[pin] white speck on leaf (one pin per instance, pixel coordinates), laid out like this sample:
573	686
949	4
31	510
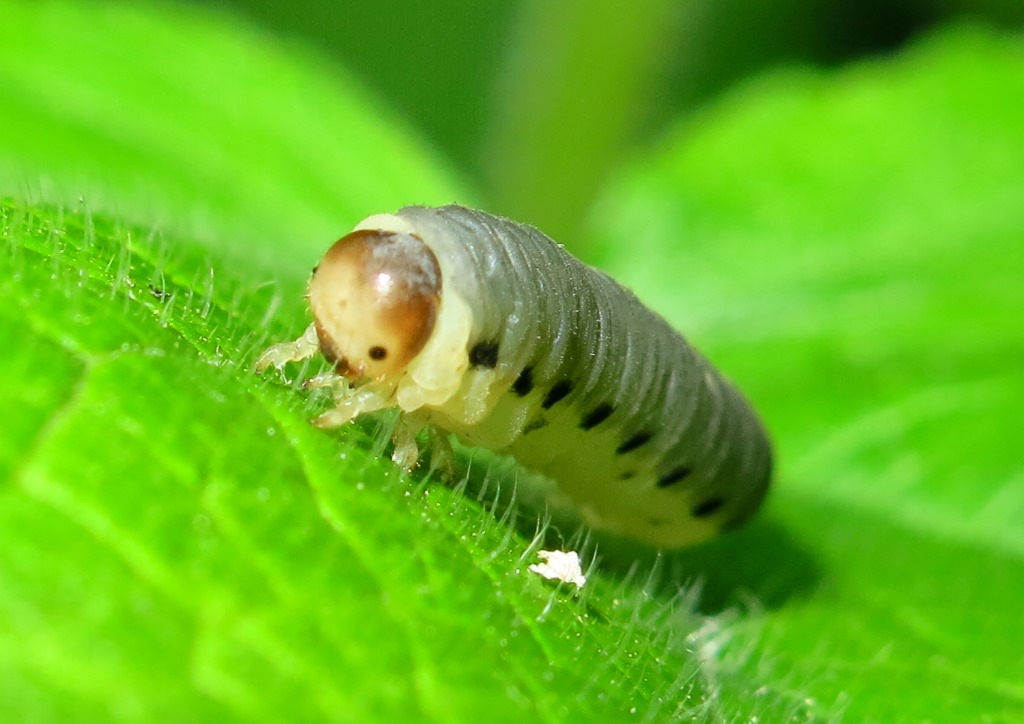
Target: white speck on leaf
560	566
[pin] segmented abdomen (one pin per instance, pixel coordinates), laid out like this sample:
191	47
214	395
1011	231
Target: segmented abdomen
600	393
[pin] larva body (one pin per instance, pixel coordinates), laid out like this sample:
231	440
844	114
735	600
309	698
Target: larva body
528	351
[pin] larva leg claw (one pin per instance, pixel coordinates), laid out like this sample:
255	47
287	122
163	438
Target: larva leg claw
278	355
442	456
328	379
350	404
332	418
407	452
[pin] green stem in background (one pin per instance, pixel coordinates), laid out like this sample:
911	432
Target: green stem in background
577	82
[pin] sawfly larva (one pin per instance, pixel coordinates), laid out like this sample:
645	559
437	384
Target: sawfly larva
483	327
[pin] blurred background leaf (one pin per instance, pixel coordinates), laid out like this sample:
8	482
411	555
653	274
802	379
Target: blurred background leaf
844	239
538	102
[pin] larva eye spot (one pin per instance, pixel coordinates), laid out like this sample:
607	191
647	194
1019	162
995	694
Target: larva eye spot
375	298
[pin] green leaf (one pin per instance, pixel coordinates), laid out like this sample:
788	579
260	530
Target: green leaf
849	249
176	540
167	116
170	518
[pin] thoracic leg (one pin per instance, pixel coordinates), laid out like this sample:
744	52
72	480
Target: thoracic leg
442	456
329	379
407	452
349	404
279	354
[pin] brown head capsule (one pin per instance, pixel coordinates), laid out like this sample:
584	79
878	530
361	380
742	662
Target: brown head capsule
375	298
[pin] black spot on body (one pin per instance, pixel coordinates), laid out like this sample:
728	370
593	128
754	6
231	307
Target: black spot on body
524	382
535	424
673	476
378	353
596	416
484	354
707	507
557	393
633	443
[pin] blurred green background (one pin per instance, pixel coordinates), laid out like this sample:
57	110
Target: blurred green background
538	102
